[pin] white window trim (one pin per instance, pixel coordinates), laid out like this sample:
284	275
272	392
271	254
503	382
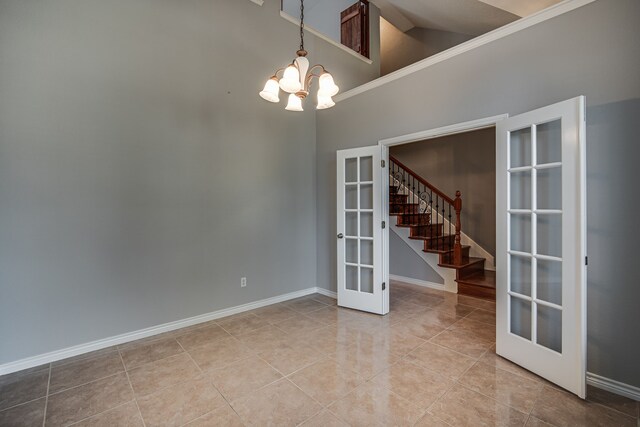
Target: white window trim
498	33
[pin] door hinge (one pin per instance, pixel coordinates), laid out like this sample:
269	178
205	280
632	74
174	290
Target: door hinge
586	260
384	286
382	163
384	225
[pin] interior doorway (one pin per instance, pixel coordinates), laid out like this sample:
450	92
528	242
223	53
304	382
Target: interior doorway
442	213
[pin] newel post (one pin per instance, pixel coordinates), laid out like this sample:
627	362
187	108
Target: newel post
457	248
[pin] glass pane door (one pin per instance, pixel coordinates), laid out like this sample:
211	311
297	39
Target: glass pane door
540	242
359	283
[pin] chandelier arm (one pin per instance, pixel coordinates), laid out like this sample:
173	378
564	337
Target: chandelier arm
277	71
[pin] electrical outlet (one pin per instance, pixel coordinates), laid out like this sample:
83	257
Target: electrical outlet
243	282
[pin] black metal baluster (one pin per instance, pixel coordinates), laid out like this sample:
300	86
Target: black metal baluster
450	227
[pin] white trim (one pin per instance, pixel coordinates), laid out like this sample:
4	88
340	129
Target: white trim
64	353
418	282
444	131
327	293
258	2
613	386
514	27
318	34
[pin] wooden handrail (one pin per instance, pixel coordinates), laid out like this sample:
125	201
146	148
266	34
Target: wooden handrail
422	180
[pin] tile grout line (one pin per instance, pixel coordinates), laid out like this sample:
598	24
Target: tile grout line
46	399
99	413
210	381
135	398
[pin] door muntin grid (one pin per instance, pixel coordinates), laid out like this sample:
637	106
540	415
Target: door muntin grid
358	215
535	228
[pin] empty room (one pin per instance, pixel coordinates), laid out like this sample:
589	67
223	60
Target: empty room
319	213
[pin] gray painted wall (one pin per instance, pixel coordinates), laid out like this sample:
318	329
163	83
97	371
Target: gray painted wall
398	49
403	261
465	162
140	174
590	51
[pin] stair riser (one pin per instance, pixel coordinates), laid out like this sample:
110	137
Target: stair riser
440	243
417	219
470	270
398	198
448	257
393	189
403	208
433	230
476	291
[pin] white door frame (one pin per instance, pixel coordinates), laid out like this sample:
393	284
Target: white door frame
384	145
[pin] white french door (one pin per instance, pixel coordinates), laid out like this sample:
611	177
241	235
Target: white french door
541	243
359	230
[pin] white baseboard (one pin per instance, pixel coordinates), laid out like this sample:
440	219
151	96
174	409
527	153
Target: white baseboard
327	292
418	282
613	386
76	350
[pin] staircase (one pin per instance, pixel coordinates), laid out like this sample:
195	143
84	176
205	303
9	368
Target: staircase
434	218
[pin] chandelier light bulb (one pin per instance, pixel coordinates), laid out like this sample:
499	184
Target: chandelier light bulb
290	82
327	85
324	101
294	104
271	90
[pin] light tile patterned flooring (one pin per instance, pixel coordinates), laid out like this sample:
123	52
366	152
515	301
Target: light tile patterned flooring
429	362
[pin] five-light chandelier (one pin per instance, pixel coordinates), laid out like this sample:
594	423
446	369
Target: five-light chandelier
296	79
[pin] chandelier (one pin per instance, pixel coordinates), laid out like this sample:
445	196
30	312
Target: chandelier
297	77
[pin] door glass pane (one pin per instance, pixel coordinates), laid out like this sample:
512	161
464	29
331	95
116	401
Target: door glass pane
549	239
520	317
520	190
351	169
366	284
520	274
520	148
351	197
351	250
549	327
366	252
366	196
366	168
549	281
366	224
351	278
549	188
548	142
351	224
521	233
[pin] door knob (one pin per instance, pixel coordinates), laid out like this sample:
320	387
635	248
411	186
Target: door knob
340	235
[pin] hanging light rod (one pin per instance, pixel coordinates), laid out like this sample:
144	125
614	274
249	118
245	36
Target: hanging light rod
297	77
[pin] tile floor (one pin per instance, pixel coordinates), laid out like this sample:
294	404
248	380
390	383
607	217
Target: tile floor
429	362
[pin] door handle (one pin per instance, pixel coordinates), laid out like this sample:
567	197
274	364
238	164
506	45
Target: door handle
340	235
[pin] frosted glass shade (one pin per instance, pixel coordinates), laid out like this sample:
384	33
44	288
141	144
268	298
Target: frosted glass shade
324	101
271	90
290	81
294	104
327	85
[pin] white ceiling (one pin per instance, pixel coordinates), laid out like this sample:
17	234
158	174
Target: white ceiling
472	17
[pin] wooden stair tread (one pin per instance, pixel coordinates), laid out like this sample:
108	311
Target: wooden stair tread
443	251
485	279
470	262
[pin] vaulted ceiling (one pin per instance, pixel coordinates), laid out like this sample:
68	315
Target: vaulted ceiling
472	17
